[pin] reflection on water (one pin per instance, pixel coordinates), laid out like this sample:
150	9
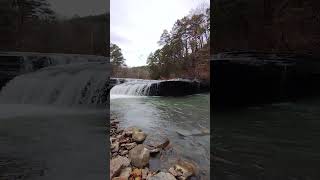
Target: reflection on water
278	141
47	142
185	120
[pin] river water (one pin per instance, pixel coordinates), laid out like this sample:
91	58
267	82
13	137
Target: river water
53	124
275	141
184	120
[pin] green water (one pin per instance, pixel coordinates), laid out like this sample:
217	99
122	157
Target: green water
189	115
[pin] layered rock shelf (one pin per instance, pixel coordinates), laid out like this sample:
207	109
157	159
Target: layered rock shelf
131	150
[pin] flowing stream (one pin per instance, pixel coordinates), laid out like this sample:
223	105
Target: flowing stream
184	120
53	123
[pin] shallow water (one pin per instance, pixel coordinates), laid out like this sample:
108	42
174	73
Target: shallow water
187	115
276	141
48	142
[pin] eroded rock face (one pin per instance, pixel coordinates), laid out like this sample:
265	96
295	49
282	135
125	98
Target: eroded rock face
117	164
162	176
139	156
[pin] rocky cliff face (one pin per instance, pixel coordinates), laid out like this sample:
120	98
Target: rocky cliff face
273	25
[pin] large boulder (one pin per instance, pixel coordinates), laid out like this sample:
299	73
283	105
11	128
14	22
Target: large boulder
138	137
156	141
139	156
184	169
117	164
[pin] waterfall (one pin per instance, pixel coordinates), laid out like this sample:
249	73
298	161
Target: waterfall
72	84
141	87
134	87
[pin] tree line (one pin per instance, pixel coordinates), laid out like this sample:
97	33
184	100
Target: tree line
32	25
184	51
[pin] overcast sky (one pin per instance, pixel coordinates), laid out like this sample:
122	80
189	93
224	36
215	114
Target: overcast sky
136	25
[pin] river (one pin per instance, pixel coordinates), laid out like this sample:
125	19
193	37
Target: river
53	124
184	120
274	141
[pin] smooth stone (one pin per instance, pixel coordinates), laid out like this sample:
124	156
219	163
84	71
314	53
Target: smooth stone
139	156
117	164
156	141
162	176
138	137
185	169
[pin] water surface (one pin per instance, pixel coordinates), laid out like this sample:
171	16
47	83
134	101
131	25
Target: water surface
276	141
187	115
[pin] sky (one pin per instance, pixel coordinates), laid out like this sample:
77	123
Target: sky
136	25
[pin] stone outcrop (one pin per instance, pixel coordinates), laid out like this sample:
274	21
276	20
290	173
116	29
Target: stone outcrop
241	78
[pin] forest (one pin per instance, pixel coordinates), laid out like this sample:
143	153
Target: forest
32	25
184	51
267	25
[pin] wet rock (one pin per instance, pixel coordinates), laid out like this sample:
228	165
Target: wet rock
124	152
129	146
138	137
115	146
117	164
125	173
156	141
173	172
139	156
162	176
136	173
144	173
132	129
184	169
152	151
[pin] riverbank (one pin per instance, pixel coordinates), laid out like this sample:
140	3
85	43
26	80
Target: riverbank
132	151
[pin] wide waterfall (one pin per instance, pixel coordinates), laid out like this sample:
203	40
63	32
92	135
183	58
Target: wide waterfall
134	87
141	87
73	84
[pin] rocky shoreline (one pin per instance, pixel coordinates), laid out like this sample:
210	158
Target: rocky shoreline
131	150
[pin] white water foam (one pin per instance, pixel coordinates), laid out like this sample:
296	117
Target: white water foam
82	83
133	87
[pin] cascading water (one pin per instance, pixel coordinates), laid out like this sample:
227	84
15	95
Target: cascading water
73	84
134	87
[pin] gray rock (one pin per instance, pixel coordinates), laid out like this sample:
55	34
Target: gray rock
129	146
139	156
125	173
162	176
138	137
156	141
115	146
184	169
117	164
124	152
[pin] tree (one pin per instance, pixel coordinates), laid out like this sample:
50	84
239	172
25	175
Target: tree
184	48
116	57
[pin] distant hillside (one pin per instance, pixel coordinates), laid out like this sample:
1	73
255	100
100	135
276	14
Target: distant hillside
141	72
